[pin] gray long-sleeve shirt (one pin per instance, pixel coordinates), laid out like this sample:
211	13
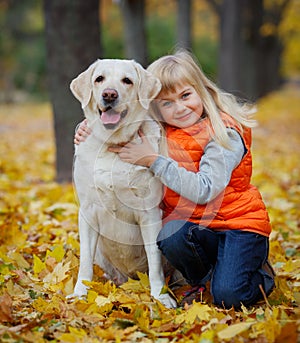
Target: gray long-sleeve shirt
215	169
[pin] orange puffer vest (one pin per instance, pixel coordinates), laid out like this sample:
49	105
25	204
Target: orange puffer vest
238	207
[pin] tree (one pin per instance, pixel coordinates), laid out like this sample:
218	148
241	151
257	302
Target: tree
73	42
21	50
250	46
133	12
184	24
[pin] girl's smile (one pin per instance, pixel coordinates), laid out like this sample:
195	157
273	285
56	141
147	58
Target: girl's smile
181	108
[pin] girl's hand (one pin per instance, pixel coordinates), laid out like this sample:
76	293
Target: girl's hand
82	132
141	154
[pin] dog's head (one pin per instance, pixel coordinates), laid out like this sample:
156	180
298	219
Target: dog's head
114	89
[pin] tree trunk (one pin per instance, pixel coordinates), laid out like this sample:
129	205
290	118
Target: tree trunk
73	42
230	44
239	24
133	13
184	24
269	50
249	61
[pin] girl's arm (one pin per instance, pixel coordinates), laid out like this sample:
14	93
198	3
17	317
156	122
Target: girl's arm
216	166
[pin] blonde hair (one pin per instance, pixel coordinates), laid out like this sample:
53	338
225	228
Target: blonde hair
173	70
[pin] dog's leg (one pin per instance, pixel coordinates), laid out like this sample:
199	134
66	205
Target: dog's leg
88	244
150	226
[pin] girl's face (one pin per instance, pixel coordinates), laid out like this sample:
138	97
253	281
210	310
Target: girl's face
181	108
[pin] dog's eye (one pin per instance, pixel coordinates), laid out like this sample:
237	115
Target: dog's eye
99	78
127	81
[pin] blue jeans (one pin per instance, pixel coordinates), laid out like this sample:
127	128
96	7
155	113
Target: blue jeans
232	260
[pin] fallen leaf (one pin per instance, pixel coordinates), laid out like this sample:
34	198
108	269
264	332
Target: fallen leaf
5	308
234	330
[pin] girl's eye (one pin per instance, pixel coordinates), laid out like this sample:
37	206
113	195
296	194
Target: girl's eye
166	103
186	95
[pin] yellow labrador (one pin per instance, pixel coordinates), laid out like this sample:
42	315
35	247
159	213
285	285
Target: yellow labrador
119	216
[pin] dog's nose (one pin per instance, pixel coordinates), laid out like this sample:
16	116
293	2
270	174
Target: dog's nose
109	95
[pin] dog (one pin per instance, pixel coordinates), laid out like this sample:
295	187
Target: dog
119	215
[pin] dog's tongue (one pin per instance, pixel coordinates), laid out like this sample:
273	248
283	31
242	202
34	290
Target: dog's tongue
110	117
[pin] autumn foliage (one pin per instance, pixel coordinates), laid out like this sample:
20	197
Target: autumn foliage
39	247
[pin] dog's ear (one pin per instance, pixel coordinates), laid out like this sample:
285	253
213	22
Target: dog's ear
81	87
149	86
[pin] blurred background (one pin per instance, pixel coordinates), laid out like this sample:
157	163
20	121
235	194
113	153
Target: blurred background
249	47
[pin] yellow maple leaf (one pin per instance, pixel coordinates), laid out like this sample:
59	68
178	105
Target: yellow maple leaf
75	335
19	259
73	242
144	279
100	287
105	304
127	298
102	301
234	330
44	306
137	285
91	296
197	311
3	255
99	303
290	266
68	286
142	318
58	274
38	265
58	253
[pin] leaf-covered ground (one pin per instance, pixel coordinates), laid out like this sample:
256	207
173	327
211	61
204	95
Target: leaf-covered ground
39	247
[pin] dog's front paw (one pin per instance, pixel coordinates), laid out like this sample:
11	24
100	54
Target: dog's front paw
80	291
167	300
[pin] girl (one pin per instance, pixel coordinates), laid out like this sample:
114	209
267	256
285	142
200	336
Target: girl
216	226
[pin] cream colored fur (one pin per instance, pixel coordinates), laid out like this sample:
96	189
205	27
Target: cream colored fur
119	216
